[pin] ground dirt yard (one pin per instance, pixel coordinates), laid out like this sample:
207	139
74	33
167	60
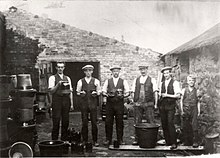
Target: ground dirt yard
44	133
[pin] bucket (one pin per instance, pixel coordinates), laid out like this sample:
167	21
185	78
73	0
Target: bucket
13	81
51	148
24	81
25	98
25	115
5	86
147	134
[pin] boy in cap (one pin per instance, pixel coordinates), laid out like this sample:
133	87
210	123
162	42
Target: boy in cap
88	88
115	89
170	91
190	110
62	101
145	96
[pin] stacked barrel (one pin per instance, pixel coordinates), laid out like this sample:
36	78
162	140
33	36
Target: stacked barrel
5	101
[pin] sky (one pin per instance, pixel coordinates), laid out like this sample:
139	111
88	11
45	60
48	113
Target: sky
159	25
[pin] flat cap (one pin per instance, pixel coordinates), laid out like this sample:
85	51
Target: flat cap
115	67
166	68
143	67
88	67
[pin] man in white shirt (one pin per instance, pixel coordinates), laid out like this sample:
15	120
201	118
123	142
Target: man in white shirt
145	96
170	91
62	101
88	88
115	89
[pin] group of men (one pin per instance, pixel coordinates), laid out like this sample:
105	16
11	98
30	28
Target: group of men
145	94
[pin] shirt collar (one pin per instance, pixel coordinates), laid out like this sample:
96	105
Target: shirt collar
61	75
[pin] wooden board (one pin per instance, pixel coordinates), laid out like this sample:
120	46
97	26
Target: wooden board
157	148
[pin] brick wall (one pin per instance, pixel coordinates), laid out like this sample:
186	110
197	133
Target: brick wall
20	56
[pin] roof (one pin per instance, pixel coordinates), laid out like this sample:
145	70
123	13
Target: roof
62	39
209	37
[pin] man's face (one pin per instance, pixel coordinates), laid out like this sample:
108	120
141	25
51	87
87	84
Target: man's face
143	71
115	72
88	72
190	81
60	68
167	74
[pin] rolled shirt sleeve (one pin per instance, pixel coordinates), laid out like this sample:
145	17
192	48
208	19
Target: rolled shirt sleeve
126	87
69	80
51	82
105	86
176	87
79	86
155	88
98	87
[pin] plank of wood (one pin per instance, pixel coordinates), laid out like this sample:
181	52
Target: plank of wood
157	148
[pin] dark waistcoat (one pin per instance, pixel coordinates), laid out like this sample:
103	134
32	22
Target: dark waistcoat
190	97
88	88
148	89
57	79
112	89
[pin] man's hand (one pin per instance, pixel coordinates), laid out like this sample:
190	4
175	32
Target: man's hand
94	94
82	93
71	108
155	106
182	112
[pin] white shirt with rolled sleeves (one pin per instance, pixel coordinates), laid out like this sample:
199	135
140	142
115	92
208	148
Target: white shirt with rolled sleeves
115	81
51	82
142	81
96	82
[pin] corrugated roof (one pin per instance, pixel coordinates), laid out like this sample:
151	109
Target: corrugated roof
209	37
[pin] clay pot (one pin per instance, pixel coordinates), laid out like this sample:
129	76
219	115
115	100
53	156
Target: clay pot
24	81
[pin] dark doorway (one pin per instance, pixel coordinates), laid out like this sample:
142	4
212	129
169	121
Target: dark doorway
74	71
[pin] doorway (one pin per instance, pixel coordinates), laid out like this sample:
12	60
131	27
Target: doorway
74	71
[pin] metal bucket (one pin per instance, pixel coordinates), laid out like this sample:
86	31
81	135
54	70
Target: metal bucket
5	86
41	100
147	134
51	148
24	81
13	81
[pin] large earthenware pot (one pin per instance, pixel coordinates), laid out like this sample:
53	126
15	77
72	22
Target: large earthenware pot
24	81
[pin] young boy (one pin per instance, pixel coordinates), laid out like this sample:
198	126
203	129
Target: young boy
190	110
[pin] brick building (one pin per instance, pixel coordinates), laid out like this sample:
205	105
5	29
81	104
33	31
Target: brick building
200	57
35	43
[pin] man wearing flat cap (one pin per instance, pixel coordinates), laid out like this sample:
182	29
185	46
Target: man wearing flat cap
170	91
88	88
145	96
115	90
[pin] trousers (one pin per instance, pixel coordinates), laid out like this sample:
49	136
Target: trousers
60	112
114	110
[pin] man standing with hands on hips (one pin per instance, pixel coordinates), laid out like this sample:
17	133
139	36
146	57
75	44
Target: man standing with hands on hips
114	91
170	91
62	100
145	94
88	88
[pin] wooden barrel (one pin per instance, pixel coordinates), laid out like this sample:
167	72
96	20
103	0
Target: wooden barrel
24	81
25	98
5	86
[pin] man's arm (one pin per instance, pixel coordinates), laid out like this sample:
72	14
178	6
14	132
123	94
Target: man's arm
71	94
126	89
98	87
181	101
52	88
79	87
104	88
199	109
155	90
